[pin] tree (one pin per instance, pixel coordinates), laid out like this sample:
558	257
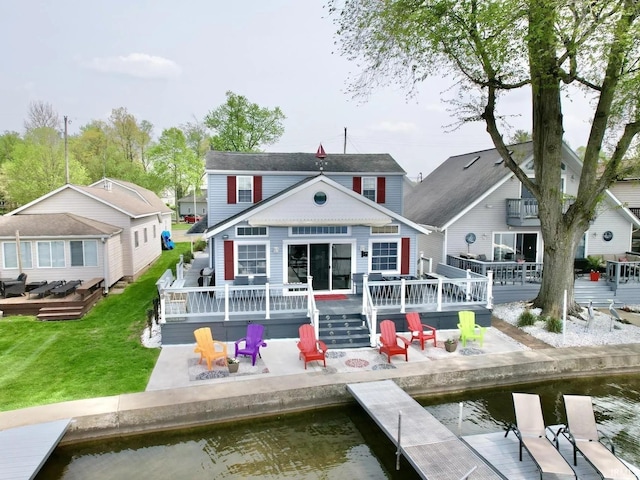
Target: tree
520	136
174	162
41	154
41	115
241	126
492	48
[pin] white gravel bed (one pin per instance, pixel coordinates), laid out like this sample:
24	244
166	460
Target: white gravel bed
602	331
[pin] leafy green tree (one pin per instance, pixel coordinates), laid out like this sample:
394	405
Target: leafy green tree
174	163
38	166
492	48
242	126
520	136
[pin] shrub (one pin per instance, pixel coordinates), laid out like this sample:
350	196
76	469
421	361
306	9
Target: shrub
200	245
526	319
553	325
187	256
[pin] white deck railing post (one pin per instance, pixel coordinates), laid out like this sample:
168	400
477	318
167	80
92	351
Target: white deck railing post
490	289
468	296
365	292
403	289
226	301
373	341
439	299
267	301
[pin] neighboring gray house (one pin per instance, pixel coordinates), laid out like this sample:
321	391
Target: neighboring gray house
187	205
476	206
290	215
110	229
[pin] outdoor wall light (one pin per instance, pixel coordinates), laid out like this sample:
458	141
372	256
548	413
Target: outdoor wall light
225	237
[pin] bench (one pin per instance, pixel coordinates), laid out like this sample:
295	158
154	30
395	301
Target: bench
90	286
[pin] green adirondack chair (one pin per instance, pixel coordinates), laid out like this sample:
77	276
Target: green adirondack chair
469	330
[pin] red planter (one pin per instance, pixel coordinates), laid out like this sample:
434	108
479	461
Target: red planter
595	276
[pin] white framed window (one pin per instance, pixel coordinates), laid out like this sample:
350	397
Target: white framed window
144	235
84	253
320	230
154	231
10	255
251	258
244	186
136	240
386	230
385	256
369	185
50	254
251	231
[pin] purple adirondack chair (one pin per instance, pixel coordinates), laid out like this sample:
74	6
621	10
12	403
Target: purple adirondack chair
252	342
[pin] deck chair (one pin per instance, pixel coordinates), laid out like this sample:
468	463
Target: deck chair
391	343
252	342
469	330
420	331
208	348
532	434
15	288
311	348
585	437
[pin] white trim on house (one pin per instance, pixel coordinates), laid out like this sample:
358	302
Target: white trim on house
381	217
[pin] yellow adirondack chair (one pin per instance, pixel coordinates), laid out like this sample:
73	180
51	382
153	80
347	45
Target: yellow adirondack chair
469	330
208	348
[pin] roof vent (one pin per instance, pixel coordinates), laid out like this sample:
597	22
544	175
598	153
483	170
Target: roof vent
473	160
500	160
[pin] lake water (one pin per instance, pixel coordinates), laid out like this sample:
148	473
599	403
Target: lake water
336	443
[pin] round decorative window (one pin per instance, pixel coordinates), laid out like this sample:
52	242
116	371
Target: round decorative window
470	238
320	198
607	236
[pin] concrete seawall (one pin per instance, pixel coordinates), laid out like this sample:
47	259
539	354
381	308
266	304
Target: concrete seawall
134	413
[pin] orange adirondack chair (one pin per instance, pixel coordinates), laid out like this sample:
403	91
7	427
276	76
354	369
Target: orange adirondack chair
389	341
310	348
208	348
420	331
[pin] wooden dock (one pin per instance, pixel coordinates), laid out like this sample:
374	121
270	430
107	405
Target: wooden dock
23	450
432	449
503	453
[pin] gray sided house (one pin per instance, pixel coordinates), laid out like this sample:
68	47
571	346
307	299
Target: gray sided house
282	217
477	208
110	229
188	205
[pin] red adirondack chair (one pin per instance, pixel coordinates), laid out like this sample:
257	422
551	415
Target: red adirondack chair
420	331
391	343
310	348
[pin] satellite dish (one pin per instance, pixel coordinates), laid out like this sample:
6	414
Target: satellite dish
470	238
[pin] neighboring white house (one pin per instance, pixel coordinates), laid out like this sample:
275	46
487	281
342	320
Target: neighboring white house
109	229
476	206
188	205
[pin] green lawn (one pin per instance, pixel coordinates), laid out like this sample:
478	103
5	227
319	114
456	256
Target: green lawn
181	226
100	355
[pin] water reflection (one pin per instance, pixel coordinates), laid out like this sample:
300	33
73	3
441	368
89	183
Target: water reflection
337	443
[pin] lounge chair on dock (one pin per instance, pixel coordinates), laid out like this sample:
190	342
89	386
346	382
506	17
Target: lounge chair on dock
532	433
582	431
66	288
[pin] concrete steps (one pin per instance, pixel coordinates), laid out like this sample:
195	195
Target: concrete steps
347	330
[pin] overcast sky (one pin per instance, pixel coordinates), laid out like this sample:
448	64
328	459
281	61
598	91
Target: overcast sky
167	61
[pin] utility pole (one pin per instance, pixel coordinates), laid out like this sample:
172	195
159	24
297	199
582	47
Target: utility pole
344	149
66	149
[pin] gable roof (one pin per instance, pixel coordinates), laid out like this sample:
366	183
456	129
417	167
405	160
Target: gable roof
54	225
129	198
371	163
262	206
200	197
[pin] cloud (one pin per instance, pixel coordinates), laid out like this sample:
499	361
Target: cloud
396	127
138	65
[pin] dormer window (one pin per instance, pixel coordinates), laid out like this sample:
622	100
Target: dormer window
373	188
245	189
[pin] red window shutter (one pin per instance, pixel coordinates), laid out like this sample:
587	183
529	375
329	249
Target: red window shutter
257	189
357	184
406	252
381	194
228	260
231	189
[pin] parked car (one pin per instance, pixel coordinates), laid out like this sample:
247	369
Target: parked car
192	218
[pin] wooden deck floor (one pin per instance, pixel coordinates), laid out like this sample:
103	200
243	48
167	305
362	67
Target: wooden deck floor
23	450
431	448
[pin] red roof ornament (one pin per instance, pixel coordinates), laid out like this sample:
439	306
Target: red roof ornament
321	153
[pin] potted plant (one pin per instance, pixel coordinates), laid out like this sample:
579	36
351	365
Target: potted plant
450	344
233	364
595	264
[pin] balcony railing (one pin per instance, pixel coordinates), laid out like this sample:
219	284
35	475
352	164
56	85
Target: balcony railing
503	272
522	212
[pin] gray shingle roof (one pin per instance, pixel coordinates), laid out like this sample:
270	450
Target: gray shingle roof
54	225
139	202
302	162
451	187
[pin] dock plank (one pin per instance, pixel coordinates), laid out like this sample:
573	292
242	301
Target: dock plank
432	449
24	450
